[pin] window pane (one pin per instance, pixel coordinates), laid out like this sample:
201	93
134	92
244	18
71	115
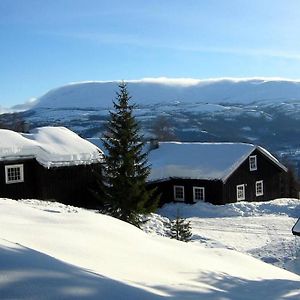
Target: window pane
240	192
178	193
259	188
14	173
198	193
253	163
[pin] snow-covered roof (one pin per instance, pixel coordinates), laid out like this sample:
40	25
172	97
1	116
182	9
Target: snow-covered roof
51	146
200	160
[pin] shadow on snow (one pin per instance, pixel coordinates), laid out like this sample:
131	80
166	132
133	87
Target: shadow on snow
28	274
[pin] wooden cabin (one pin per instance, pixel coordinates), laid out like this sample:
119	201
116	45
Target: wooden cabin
218	173
51	163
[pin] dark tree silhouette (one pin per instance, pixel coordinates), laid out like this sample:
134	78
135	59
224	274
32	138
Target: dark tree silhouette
126	165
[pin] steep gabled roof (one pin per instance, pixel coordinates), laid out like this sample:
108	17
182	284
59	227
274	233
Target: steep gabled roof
51	146
212	161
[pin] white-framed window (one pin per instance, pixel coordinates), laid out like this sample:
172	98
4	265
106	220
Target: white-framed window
198	193
14	173
259	188
240	192
178	193
253	162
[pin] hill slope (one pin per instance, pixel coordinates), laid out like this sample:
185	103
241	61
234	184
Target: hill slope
73	253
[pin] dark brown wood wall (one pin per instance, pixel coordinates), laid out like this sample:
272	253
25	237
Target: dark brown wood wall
21	190
70	185
266	170
213	189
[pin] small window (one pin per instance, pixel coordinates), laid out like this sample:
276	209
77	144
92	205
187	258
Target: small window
199	194
253	163
240	192
259	188
14	173
178	193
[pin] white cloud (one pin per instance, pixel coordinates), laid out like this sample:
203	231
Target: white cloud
25	106
191	81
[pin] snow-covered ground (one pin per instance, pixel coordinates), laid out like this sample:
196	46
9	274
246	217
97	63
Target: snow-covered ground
262	230
52	251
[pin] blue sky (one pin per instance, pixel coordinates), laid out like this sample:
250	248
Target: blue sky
46	44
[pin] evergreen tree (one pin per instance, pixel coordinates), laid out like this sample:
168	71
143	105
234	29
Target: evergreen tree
179	229
126	167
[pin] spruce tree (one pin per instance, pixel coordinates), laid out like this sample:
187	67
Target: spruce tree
179	229
126	165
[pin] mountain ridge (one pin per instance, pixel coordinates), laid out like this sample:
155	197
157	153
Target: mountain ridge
100	94
260	111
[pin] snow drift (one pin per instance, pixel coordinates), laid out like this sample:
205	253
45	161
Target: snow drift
53	251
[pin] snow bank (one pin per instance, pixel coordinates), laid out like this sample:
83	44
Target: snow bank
261	229
51	146
86	255
288	207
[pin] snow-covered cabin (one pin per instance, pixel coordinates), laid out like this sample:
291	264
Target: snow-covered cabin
215	172
48	163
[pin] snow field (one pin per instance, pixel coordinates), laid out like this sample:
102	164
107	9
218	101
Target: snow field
96	256
261	229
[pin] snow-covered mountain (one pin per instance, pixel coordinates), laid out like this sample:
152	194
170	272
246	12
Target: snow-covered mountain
255	110
164	90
